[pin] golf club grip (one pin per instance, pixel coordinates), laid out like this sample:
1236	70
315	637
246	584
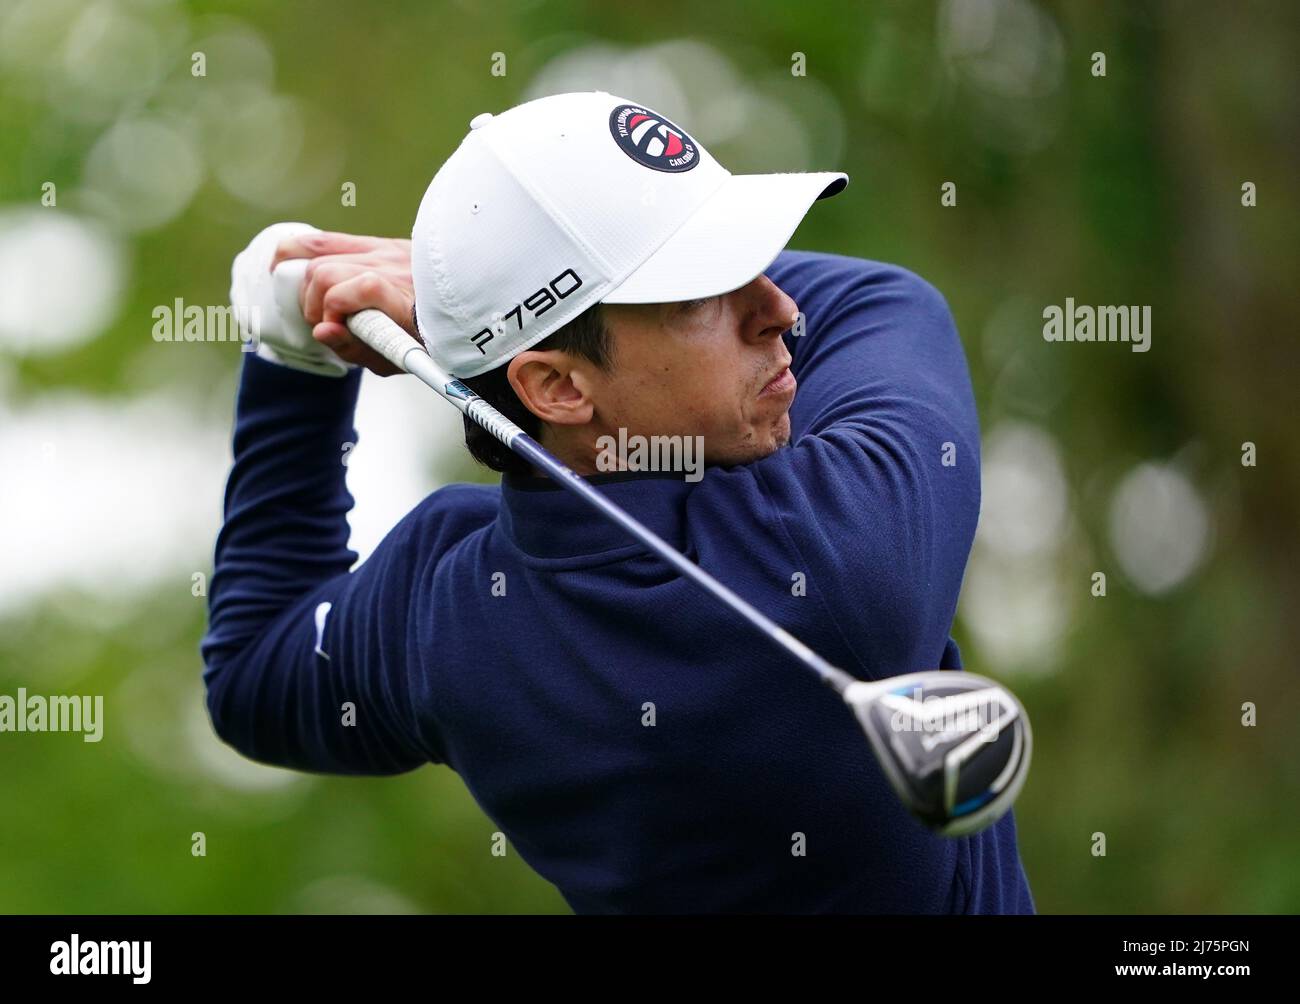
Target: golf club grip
378	330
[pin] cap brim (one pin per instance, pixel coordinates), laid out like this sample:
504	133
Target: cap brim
730	240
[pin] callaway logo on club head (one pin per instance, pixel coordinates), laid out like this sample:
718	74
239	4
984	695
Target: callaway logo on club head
651	140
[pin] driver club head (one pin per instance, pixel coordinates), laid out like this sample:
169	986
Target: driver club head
954	746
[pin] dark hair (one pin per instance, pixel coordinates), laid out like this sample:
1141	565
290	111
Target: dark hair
585	336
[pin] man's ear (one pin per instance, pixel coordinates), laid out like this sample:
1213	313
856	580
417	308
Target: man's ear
549	387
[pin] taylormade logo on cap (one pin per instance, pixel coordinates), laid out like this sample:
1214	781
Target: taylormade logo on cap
651	140
571	200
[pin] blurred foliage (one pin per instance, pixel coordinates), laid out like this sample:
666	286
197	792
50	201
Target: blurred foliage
1122	189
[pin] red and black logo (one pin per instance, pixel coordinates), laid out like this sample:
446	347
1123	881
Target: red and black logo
651	140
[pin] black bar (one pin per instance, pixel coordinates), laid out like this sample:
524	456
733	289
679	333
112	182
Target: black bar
439	954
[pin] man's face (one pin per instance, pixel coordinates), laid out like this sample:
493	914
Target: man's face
715	368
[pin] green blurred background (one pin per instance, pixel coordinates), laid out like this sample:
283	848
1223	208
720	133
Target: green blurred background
1122	189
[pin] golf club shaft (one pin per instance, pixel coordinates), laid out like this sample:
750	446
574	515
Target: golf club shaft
378	331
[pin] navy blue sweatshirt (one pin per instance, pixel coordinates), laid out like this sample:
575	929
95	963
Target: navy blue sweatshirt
639	744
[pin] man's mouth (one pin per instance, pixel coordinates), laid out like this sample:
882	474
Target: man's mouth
783	383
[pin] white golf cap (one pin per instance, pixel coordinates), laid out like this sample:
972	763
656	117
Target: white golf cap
575	199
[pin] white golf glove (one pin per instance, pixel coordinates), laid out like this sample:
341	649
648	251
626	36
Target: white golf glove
270	302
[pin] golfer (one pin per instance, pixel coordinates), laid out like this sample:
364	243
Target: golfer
587	267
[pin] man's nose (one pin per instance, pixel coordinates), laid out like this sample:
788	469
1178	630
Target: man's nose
769	311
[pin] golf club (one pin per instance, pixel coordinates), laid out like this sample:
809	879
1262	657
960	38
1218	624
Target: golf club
954	746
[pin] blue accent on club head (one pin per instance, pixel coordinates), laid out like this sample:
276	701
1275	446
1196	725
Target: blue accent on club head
971	804
458	389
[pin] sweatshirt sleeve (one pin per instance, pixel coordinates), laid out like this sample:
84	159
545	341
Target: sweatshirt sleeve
306	662
877	497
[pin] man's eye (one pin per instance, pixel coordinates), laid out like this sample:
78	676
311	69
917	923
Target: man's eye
693	304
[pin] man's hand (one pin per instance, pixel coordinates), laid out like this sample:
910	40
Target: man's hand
347	273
